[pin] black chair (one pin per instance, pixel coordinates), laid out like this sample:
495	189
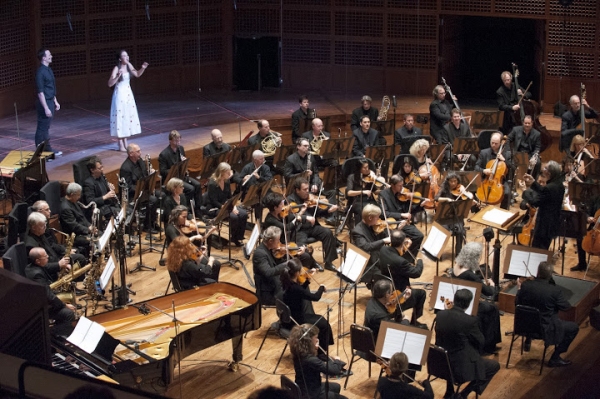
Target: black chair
438	366
175	281
362	343
528	324
349	167
290	386
483	139
51	194
80	170
285	318
17	223
15	259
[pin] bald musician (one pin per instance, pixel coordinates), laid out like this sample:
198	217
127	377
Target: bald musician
216	146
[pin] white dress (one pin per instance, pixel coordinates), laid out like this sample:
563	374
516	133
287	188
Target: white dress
124	120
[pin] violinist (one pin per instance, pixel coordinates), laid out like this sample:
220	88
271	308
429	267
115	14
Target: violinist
174	197
450	186
179	224
508	98
393	385
381	307
549	204
397	203
419	150
529	140
364	137
406	131
577	158
294	295
302	163
358	191
489	154
365	237
310	226
408	170
279	213
488	316
572	118
190	265
393	260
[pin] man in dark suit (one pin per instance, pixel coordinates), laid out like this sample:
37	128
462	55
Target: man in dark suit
507	97
364	237
97	189
300	118
364	137
376	310
40	271
527	139
364	109
266	269
317	135
72	219
439	114
489	154
250	176
459	334
171	155
406	131
549	203
572	118
216	146
297	164
549	300
393	263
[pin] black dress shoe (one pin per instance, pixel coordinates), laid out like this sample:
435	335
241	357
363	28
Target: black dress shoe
237	243
329	266
420	325
579	268
527	345
559	362
319	267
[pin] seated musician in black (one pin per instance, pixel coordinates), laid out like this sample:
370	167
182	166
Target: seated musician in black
377	307
300	117
265	133
452	183
365	237
527	139
266	267
302	163
219	191
73	220
419	149
216	146
399	210
190	265
132	170
572	118
253	173
392	260
406	131
466	267
296	292
458	128
364	110
359	192
180	224
310	226
315	137
394	386
98	190
365	137
275	204
175	153
175	197
42	272
489	154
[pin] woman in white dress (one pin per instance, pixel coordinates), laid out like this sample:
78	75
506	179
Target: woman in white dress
124	120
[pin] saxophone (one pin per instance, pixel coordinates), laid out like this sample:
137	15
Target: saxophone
148	163
383	111
93	275
65	272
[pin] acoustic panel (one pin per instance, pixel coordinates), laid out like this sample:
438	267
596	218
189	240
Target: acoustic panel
356	53
529	7
71	63
321	3
309	22
256	21
578	8
409	55
102	60
201	3
13	72
413	4
53	8
210	50
114	29
307	50
207	22
154	4
571	34
60	34
571	64
158	54
369	4
467	5
407	26
159	26
14	36
364	24
114	7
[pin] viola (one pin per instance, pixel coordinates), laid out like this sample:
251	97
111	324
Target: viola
405	194
491	190
397	299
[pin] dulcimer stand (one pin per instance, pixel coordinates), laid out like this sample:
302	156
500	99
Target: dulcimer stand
480	218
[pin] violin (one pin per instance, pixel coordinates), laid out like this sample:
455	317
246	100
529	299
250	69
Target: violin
413	178
292	207
378	181
313	200
397	299
292	249
461	193
491	190
448	304
404	195
382	225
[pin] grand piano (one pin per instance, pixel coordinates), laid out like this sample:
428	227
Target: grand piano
151	344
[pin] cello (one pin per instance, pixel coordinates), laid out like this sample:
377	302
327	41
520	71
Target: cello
591	241
491	190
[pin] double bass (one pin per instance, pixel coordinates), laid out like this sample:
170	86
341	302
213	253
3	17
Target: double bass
591	242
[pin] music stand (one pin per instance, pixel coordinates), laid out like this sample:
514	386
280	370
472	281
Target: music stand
256	192
524	261
435	150
396	337
177	170
501	220
221	216
451	213
336	148
435	243
445	287
407	142
210	163
143	188
465	145
282	153
381	154
351	271
240	156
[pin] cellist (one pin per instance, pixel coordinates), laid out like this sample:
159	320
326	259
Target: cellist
527	139
489	154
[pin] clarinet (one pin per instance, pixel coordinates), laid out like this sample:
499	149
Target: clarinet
111	188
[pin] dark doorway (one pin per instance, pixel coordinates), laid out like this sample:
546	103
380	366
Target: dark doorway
475	50
250	54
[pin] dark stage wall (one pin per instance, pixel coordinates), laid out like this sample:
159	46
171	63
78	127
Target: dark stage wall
397	47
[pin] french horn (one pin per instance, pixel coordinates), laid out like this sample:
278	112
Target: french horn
270	143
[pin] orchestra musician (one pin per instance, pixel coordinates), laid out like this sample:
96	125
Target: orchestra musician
467	268
393	263
216	146
364	137
179	224
310	226
364	109
489	154
296	292
171	155
275	204
549	204
573	158
97	189
266	267
302	163
190	265
549	300
42	272
42	207
457	128
527	139
407	170
219	191
393	386
264	131
300	118
358	192
132	170
255	172
459	334
592	206
399	210
174	198
308	366
406	131
317	135
365	237
450	185
439	114
419	149
508	98
377	307
73	220
572	118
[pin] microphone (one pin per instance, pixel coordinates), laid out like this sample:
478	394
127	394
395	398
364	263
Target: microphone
69	21
147	10
339	132
394	103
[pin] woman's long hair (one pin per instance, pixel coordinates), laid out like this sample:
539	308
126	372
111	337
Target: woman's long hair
180	250
175	213
292	267
470	256
358	178
300	340
221	169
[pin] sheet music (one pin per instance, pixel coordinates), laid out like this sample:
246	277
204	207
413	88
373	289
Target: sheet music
411	344
447	291
107	273
110	227
497	216
353	265
435	241
519	259
251	243
86	334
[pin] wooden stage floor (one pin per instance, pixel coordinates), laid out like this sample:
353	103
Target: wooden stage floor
82	129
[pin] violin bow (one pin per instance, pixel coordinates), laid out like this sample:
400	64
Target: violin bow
396	297
385	219
317	200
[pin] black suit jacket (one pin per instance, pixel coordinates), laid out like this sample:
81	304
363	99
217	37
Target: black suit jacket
439	115
401	269
359	112
41	276
264	174
72	219
365	238
266	275
54	252
549	299
297	116
168	158
94	190
375	313
211	149
487	155
394	208
132	173
362	141
459	334
549	204
402	133
571	120
534	139
295	165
